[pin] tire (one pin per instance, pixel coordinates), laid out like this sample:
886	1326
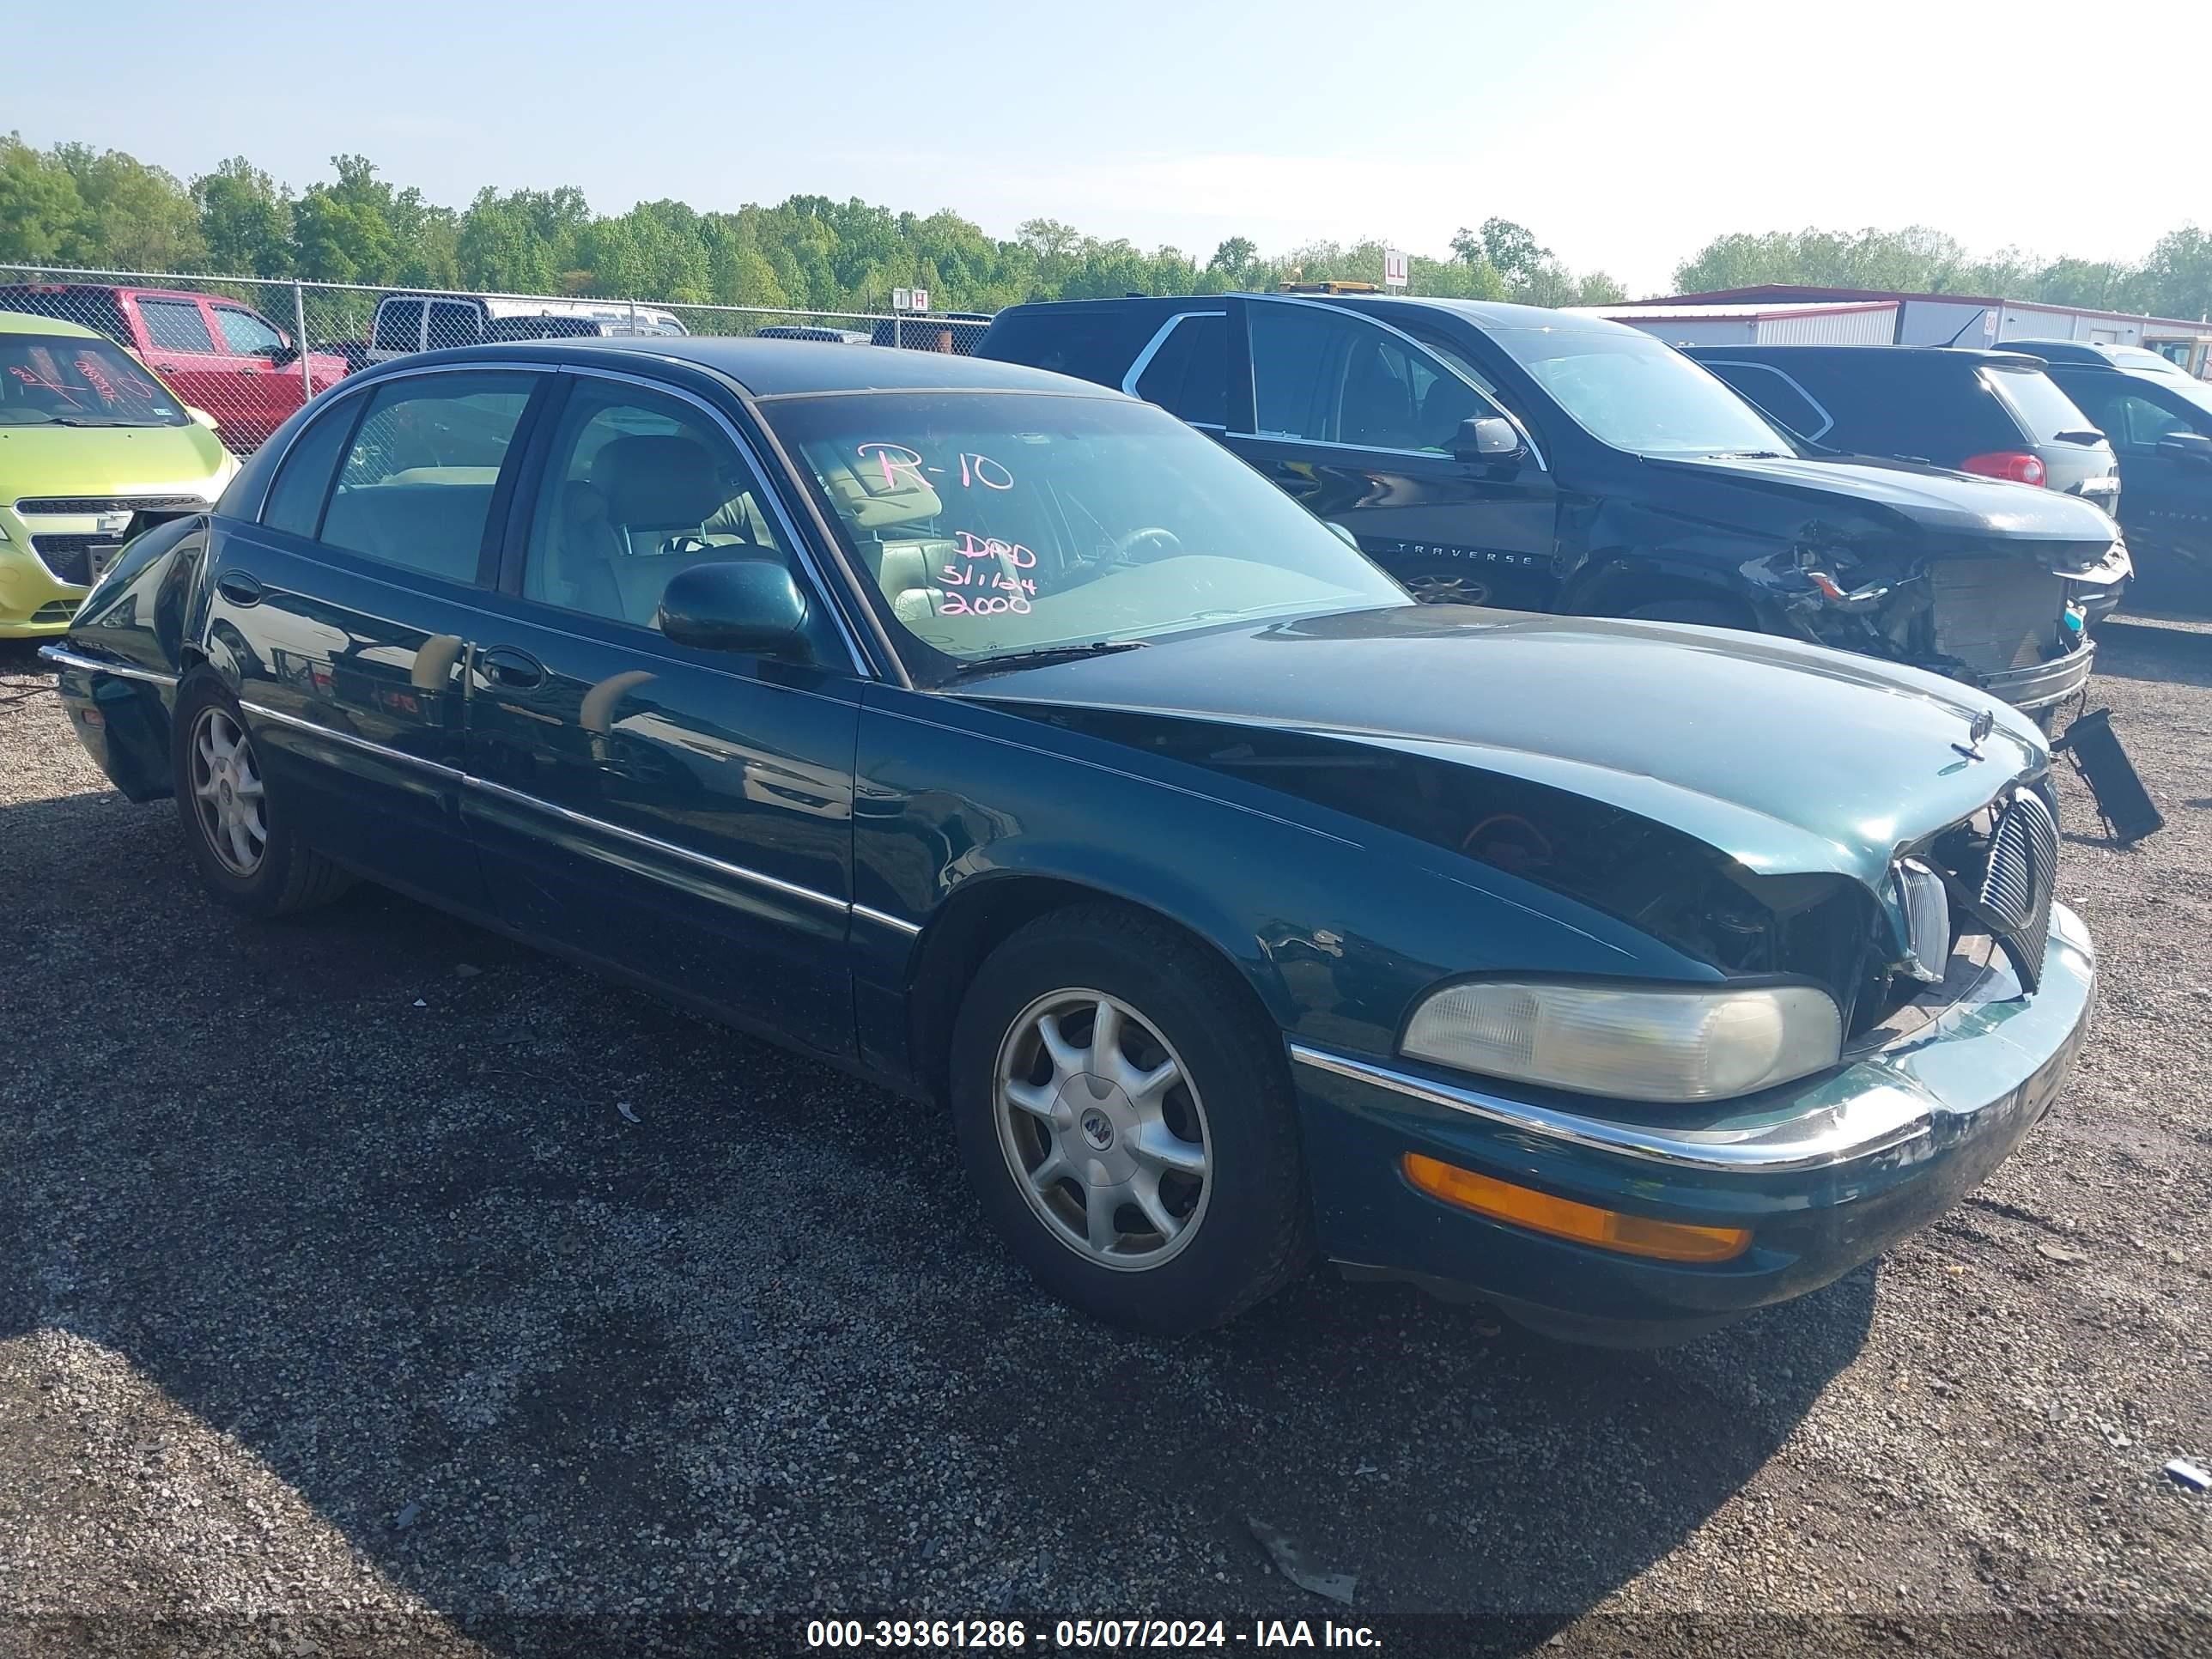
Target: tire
254	861
1704	613
1241	1226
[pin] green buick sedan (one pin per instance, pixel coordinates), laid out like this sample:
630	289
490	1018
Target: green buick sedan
998	737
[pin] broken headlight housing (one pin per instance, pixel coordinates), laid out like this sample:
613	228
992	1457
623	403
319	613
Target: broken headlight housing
1674	1043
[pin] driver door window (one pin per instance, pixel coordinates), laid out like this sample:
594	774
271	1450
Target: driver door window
1330	378
245	334
637	488
2142	424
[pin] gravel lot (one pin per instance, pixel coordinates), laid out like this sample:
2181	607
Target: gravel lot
335	1281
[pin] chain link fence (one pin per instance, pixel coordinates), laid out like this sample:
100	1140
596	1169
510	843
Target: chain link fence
248	351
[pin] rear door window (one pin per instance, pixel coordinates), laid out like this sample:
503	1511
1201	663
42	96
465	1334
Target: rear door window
1188	375
303	480
453	324
1289	343
414	489
176	325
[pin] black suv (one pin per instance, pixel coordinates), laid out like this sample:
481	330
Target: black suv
1550	461
1994	413
2160	422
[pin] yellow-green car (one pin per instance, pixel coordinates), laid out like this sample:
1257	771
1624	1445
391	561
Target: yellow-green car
89	436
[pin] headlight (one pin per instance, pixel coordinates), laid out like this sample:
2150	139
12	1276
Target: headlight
1682	1044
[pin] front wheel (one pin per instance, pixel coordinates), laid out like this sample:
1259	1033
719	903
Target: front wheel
1127	1122
249	856
1443	581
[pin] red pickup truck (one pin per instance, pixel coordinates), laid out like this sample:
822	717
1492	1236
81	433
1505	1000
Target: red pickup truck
217	354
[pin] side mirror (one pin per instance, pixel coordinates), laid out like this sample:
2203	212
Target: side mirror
1486	438
752	605
2186	446
284	352
202	416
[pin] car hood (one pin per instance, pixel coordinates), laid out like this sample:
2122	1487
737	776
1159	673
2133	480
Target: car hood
1948	506
128	460
1791	758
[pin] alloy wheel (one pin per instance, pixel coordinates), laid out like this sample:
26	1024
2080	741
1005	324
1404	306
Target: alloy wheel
1102	1130
227	790
1441	589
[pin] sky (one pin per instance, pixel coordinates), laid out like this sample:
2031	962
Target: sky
1624	134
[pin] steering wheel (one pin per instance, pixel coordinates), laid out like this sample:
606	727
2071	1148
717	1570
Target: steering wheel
1166	541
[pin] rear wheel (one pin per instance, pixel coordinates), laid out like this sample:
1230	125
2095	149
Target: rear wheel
244	849
1127	1122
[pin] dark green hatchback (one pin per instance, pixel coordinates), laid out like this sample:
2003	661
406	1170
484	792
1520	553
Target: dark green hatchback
998	737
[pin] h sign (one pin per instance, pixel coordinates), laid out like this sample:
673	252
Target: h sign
921	299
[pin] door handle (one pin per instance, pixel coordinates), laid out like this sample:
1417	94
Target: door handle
517	670
239	587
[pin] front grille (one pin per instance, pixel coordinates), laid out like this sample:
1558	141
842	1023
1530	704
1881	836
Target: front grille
55	611
1996	614
69	557
111	504
2018	880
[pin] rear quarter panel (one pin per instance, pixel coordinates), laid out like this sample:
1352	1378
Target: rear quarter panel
140	617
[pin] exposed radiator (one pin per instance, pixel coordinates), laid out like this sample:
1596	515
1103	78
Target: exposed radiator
1995	614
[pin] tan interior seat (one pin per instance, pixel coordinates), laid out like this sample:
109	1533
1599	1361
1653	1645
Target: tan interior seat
653	506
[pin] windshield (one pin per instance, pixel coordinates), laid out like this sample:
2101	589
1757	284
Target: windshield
59	379
985	522
2154	362
1638	393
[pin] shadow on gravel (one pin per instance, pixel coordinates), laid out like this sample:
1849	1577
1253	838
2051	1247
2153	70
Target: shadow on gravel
383	1220
2143	651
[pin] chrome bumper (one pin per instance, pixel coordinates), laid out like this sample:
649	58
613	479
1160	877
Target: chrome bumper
1999	1056
2041	685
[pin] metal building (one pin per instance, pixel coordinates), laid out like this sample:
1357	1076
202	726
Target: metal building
1961	319
1872	322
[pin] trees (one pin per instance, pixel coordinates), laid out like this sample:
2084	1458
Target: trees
70	204
40	212
246	221
2177	275
2174	281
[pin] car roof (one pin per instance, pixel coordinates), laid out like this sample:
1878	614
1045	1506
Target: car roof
30	322
1484	314
131	288
778	368
1881	353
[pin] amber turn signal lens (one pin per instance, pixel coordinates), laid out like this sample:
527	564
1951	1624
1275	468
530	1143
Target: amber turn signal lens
1562	1218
